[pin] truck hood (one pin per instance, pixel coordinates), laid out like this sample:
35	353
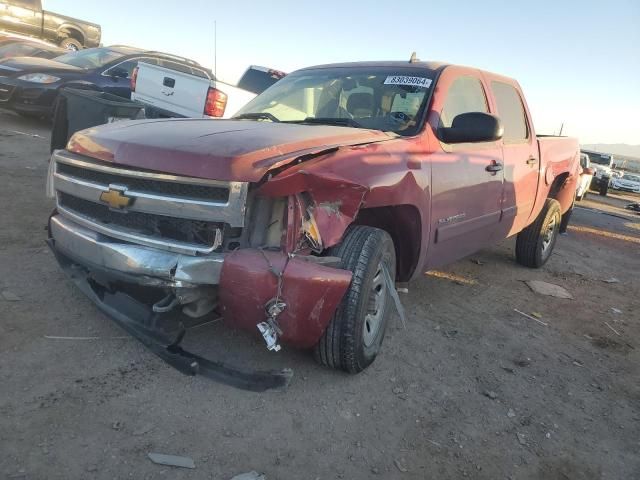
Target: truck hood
21	65
230	150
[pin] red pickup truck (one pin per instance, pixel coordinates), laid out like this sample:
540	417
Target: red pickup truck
298	217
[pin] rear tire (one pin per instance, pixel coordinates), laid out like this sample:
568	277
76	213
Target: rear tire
535	243
70	43
604	187
354	336
566	218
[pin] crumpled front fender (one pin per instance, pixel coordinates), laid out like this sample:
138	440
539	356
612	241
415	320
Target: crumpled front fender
312	292
336	200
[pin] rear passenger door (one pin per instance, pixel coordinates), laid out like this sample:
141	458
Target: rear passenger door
521	159
465	207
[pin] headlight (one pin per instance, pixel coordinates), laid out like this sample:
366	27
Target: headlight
39	78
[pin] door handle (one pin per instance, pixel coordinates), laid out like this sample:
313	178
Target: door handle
494	167
531	161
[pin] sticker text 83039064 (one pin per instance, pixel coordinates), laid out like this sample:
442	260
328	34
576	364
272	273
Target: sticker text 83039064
406	80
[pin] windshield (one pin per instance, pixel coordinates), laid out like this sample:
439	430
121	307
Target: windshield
600	159
379	99
90	58
633	178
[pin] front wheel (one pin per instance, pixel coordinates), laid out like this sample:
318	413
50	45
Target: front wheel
535	243
354	336
70	43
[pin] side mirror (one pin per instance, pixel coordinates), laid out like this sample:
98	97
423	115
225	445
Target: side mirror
118	72
588	171
472	127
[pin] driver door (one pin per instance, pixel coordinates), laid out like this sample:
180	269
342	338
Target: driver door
466	179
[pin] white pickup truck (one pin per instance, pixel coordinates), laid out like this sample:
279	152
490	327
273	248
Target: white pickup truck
196	94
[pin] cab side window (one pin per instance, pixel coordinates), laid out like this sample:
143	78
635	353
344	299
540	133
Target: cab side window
511	113
465	95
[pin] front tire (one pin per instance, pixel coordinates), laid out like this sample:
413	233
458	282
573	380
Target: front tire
535	243
70	43
354	336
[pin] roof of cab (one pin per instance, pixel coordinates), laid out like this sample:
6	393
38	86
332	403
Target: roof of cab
434	67
395	64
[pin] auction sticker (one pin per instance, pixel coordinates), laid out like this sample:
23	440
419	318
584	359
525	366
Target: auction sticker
409	81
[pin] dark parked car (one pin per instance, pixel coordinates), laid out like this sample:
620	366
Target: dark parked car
28	48
28	18
30	86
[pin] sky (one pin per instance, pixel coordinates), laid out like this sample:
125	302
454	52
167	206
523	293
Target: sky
578	62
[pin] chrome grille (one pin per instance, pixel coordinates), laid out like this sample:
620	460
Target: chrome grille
181	214
175	229
194	192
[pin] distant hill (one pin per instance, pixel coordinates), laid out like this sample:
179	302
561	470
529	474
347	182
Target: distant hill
615	149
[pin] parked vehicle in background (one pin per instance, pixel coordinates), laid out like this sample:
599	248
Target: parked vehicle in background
628	183
602	163
586	175
28	48
28	18
296	217
194	93
30	86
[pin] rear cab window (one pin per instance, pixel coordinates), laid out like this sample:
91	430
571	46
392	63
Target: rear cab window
178	67
511	112
258	79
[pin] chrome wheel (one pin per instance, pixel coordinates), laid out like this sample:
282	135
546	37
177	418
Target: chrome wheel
376	307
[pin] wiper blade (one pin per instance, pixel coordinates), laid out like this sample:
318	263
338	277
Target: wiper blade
347	122
257	116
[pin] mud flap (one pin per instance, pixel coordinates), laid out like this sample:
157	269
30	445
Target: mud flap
133	317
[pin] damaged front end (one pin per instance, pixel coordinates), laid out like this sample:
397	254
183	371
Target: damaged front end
161	254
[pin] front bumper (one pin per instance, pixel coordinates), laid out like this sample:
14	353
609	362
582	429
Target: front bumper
138	264
27	98
112	273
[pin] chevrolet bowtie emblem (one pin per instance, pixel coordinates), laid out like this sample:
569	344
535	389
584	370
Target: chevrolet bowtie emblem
116	198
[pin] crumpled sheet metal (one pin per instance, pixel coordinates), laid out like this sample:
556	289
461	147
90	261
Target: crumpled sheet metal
311	292
337	200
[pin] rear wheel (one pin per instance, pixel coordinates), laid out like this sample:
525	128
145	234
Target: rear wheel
566	218
604	186
535	243
70	43
354	336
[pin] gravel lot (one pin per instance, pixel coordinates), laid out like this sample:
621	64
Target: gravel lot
469	389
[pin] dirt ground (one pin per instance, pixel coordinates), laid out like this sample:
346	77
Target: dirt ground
469	389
